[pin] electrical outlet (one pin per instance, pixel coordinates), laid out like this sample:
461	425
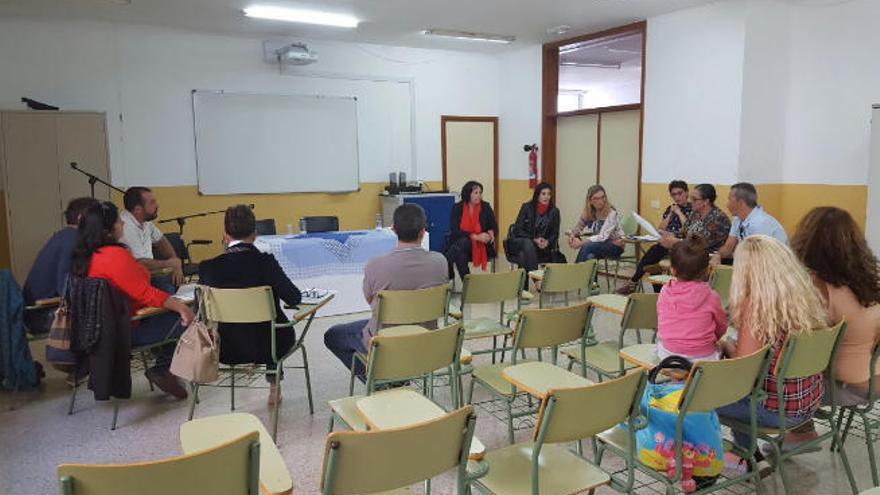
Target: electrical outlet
655	203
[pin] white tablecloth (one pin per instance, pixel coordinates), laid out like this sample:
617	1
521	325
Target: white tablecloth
332	260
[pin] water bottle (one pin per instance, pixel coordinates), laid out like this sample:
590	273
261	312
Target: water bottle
378	221
290	229
302	226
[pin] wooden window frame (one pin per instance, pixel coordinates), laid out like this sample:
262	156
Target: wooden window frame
550	90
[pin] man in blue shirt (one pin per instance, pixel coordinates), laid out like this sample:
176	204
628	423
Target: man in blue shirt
749	219
49	271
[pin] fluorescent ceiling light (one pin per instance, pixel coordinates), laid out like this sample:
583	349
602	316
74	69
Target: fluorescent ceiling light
591	65
303	16
469	36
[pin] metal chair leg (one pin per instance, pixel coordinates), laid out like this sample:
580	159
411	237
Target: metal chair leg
115	414
232	388
147	367
72	395
509	420
194	390
308	380
869	441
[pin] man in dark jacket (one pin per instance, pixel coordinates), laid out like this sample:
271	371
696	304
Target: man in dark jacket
242	266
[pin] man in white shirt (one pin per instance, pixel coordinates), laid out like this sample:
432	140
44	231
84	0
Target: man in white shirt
140	235
748	219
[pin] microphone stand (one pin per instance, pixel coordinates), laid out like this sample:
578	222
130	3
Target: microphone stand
93	179
181	220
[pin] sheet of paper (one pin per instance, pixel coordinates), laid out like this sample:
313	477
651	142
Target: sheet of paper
646	226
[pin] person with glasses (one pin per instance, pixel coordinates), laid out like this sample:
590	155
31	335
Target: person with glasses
749	219
603	238
706	220
674	218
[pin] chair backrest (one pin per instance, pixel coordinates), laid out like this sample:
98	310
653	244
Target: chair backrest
640	311
712	384
394	357
178	245
481	288
321	224
629	225
567	277
238	461
720	281
405	307
380	460
266	227
808	354
251	305
581	412
551	327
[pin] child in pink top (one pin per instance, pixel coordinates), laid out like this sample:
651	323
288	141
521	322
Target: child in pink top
690	319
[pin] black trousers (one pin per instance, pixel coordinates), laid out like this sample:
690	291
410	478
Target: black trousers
651	257
459	255
528	254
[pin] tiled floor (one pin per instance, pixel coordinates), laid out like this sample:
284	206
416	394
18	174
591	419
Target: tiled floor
38	434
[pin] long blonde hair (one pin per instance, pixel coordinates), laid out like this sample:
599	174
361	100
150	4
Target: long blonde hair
771	293
589	212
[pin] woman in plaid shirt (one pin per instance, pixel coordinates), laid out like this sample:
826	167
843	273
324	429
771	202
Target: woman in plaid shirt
772	296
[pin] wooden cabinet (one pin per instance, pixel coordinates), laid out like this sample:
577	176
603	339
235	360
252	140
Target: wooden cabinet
36	149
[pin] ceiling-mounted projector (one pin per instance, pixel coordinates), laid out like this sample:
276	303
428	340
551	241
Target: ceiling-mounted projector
286	53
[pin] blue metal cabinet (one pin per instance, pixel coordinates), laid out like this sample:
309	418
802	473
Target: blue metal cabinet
437	206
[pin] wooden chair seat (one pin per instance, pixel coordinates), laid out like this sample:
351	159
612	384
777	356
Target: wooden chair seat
537	377
561	471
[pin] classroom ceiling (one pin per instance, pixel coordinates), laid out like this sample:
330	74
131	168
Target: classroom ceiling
391	22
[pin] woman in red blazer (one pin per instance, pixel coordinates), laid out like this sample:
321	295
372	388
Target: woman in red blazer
99	254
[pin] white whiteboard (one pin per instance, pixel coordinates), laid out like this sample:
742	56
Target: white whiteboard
271	143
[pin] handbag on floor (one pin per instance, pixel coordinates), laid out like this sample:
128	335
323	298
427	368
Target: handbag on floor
197	356
702	449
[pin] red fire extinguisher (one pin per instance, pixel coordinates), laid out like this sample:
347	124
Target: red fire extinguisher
532	149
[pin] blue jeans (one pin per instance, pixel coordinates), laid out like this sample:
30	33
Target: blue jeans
592	250
344	340
155	329
739	411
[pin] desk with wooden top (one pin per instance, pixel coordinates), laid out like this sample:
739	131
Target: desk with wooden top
402	407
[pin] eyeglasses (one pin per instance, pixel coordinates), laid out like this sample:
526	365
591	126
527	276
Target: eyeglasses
678	193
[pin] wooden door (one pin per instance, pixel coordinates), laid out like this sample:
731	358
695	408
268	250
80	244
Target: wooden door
30	185
470	152
619	158
82	138
576	166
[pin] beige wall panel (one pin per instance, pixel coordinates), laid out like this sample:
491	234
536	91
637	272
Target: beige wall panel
470	155
619	159
576	141
31	185
82	139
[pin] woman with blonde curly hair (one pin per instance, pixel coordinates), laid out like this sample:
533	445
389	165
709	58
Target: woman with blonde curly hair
772	296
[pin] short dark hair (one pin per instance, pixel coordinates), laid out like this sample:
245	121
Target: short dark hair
468	188
409	220
134	197
678	184
240	222
690	258
707	191
76	208
745	192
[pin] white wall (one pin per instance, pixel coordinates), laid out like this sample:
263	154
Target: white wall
146	74
765	92
520	118
835	78
693	94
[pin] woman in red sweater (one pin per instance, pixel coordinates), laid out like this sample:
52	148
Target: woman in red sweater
99	254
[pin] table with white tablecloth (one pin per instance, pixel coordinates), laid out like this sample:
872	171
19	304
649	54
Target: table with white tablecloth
331	260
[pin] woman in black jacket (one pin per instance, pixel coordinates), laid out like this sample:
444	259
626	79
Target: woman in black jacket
472	231
534	238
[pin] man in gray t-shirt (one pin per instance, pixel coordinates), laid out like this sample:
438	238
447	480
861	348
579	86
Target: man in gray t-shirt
407	267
